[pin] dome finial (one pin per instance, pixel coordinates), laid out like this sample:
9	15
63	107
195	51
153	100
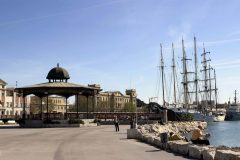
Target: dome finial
58	65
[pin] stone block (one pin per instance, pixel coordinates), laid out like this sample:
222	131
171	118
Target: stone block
183	147
157	142
172	146
150	140
145	137
196	151
132	133
209	154
180	147
227	155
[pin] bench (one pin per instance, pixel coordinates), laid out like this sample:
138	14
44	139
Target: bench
11	122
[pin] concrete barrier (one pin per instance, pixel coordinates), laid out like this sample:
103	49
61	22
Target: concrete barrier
209	154
180	147
227	155
132	133
184	148
196	151
150	140
157	142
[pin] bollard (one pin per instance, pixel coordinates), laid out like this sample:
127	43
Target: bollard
164	137
165	118
164	140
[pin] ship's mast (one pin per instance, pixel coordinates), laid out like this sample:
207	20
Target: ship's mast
185	77
204	62
162	74
235	97
174	75
215	80
210	86
196	72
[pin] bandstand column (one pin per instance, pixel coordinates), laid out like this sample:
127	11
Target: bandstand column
47	107
66	112
87	106
41	109
24	107
77	96
93	102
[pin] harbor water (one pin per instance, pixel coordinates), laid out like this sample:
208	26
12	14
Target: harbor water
224	133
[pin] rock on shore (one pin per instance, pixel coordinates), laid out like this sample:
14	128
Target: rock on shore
175	127
150	134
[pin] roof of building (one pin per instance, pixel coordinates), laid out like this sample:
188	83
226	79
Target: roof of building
58	73
3	82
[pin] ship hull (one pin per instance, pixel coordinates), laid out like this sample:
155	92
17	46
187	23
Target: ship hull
219	118
232	116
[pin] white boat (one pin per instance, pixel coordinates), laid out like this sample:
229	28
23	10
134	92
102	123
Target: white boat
219	116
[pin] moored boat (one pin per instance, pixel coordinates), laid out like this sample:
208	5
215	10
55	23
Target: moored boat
233	110
219	116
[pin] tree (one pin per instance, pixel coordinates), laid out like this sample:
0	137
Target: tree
129	107
140	103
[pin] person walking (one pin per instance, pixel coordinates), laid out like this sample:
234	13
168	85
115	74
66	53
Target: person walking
116	123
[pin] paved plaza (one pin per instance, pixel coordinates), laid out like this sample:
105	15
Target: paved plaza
85	143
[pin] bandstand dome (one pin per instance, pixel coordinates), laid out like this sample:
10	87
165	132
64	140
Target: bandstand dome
58	74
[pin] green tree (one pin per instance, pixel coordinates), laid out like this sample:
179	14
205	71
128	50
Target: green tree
129	107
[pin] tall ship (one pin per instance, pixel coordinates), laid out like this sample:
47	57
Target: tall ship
233	110
197	97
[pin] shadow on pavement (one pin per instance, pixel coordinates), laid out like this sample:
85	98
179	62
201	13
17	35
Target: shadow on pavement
9	127
154	150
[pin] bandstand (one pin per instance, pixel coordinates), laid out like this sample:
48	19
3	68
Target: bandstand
57	85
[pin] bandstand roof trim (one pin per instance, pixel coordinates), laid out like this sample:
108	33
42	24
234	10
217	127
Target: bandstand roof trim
58	88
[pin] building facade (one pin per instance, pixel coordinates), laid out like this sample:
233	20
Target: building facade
56	104
108	101
11	103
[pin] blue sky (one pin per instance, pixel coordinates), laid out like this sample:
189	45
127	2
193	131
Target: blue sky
115	43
